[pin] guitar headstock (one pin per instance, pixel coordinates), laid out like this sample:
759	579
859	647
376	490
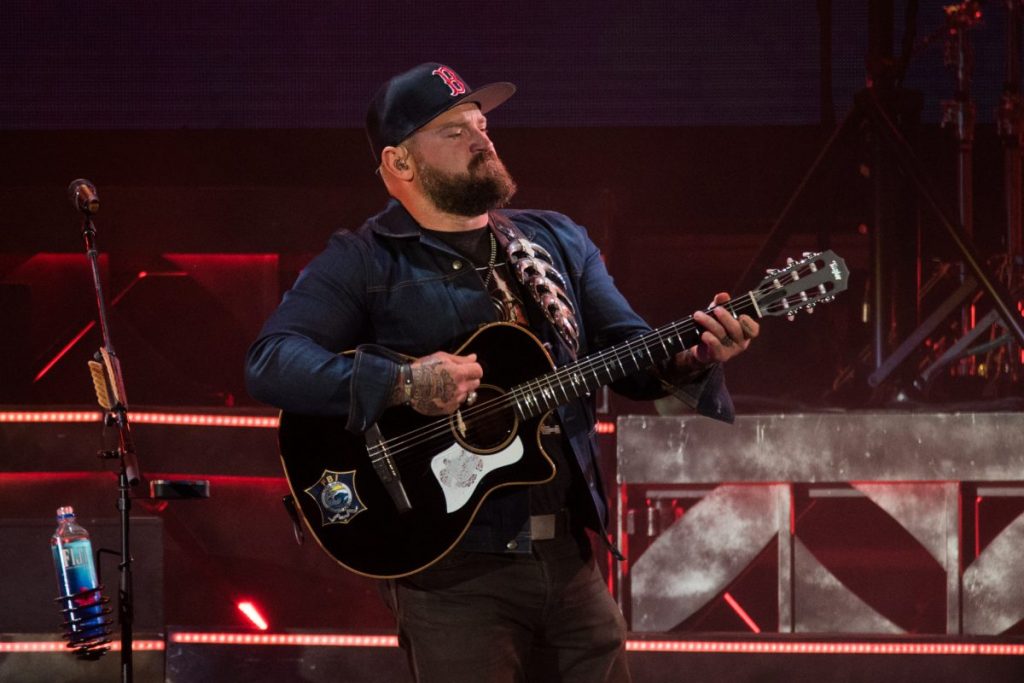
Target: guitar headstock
801	285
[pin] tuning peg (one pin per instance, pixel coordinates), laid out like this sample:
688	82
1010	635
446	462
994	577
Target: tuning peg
791	317
810	254
771	271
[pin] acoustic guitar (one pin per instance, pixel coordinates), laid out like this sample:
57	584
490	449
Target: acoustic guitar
396	499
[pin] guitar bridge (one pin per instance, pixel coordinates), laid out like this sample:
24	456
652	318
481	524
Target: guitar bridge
384	466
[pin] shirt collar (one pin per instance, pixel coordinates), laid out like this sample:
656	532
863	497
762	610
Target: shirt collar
395	221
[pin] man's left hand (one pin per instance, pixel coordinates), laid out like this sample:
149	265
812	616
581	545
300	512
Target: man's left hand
724	336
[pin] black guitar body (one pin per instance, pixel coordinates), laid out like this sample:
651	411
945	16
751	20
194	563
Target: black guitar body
347	507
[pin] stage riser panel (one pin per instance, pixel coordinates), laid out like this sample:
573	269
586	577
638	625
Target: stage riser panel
876	522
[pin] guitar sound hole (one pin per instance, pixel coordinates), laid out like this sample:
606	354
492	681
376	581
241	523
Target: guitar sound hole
488	425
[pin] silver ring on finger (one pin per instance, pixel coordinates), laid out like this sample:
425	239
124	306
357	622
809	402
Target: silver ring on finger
470	398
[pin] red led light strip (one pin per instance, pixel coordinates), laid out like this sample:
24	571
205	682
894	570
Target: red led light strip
847	648
92	323
63	352
62	646
325	640
205	420
697	646
182	419
977	525
751	647
51	416
751	624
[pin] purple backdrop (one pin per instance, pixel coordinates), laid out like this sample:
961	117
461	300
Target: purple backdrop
217	64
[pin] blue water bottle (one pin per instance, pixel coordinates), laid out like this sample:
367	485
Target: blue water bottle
80	596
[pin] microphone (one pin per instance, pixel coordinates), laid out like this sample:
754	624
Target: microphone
83	196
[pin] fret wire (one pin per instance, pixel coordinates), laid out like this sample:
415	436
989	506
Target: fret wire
615	355
661	340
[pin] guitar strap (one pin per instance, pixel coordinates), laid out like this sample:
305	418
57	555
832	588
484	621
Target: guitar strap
533	268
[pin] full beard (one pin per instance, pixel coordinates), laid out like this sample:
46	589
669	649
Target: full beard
486	185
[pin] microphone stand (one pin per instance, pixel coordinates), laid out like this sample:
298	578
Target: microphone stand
129	475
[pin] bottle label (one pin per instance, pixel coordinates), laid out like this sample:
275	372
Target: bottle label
75	566
76	572
76	554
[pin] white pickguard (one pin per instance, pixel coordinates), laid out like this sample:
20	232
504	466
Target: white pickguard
458	471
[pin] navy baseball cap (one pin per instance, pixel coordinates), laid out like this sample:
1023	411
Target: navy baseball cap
416	97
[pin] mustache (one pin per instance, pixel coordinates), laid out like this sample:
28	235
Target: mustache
481	158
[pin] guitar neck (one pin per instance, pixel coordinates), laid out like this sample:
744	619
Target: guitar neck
588	374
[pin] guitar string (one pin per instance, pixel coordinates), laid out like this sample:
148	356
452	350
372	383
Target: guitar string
488	410
623	351
615	355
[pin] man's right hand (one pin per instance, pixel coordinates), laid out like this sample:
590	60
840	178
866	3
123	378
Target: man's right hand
441	382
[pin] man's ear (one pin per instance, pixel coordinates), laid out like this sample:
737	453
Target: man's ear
396	162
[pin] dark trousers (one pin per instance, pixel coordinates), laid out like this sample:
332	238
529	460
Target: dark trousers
496	618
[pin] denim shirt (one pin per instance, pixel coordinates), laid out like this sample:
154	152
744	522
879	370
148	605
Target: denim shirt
389	292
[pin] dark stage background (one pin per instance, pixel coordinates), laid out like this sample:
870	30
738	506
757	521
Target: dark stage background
225	140
226	143
222	65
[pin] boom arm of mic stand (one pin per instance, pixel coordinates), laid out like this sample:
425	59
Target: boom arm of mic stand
126	449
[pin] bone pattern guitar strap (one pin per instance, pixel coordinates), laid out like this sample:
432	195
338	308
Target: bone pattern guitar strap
533	268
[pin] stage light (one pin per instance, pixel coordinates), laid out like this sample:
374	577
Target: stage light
253	614
742	613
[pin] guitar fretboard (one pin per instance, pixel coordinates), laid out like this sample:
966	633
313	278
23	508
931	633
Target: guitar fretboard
588	374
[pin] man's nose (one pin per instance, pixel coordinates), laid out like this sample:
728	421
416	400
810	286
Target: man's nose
481	142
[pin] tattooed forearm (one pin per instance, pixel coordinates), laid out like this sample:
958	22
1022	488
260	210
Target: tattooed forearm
432	387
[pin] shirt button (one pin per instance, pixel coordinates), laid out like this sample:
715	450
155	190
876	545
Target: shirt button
512	545
456	265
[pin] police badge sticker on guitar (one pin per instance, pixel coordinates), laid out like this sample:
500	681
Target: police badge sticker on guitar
396	499
336	495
